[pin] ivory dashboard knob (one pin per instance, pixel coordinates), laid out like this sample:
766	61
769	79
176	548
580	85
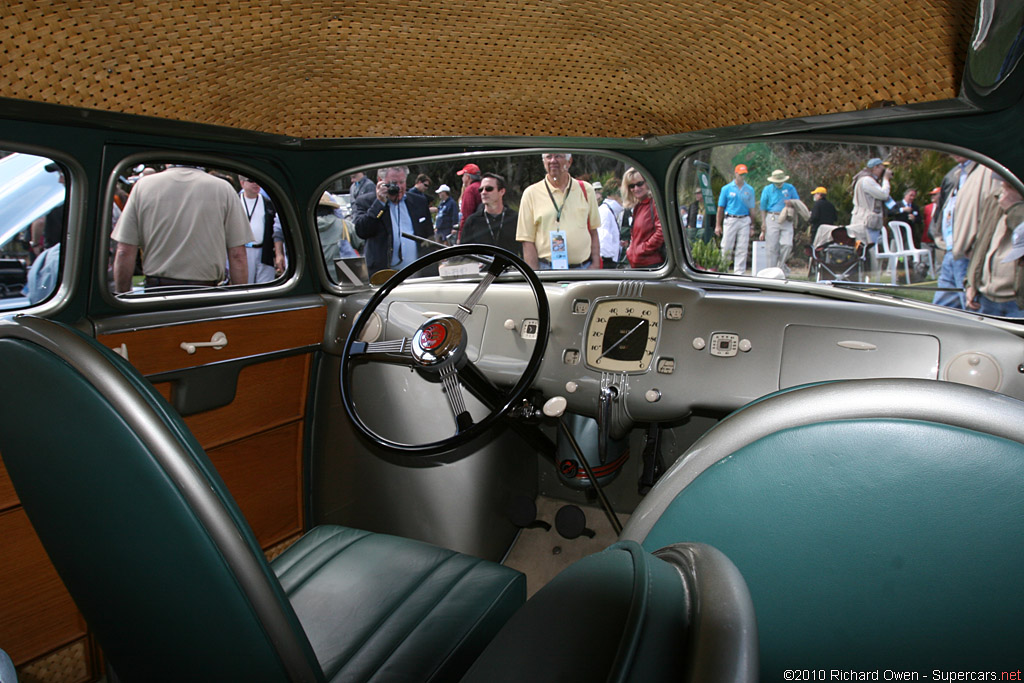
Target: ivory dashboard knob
555	406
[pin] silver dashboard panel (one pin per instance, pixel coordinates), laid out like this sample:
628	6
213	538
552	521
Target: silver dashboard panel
781	338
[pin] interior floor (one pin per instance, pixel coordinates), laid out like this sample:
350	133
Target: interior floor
541	554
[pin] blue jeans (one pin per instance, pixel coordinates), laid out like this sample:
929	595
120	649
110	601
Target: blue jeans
1005	309
952	275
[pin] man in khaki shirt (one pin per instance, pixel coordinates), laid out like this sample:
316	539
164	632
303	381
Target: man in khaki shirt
559	202
187	223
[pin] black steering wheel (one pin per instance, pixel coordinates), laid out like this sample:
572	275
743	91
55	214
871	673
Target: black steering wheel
437	351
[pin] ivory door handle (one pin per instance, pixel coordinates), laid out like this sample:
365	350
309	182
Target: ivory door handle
218	341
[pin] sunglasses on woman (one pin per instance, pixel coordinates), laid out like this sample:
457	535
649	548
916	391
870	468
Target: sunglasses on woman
639	183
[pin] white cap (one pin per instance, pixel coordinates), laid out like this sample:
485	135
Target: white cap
444	188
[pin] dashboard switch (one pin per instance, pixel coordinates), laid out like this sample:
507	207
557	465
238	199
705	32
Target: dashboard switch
571	387
745	345
699	343
652	395
510	324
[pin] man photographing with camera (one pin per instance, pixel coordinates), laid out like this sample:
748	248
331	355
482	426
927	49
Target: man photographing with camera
382	217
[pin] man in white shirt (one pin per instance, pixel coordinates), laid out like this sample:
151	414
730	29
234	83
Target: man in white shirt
265	224
610	212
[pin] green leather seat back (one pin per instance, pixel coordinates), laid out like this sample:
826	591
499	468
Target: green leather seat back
168	573
157	586
867	544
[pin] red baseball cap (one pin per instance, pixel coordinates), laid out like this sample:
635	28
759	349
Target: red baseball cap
740	168
472	169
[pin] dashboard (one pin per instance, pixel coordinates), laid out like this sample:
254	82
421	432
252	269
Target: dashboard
672	348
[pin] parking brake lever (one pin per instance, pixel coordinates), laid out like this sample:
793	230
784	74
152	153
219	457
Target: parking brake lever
608	396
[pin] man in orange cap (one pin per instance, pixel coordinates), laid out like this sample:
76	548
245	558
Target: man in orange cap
736	207
470	198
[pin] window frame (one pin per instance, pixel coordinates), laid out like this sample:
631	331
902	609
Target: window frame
294	240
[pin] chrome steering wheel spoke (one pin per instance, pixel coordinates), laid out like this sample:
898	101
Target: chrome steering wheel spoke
496	268
456	401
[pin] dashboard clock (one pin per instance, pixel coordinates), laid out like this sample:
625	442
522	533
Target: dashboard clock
622	335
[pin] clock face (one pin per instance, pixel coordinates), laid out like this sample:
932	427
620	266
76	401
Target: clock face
622	335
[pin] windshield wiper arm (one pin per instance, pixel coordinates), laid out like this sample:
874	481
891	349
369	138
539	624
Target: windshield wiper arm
434	245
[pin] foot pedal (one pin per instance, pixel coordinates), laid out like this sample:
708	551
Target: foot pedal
571	523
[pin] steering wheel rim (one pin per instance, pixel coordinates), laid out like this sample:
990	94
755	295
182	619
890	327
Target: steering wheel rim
501	259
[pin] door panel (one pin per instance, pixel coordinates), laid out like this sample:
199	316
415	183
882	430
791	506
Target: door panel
158	349
37	611
245	403
264	474
266	395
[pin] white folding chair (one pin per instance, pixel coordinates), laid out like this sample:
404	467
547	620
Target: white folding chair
893	251
917	254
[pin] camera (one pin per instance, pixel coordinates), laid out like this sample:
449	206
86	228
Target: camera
393	189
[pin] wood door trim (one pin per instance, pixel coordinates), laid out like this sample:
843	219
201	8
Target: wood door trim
155	350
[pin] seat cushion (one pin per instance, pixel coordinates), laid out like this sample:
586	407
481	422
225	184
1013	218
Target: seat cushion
627	615
378	607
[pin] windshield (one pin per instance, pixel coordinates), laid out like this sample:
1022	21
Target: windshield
558	210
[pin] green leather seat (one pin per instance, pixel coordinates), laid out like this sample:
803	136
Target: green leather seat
879	524
167	572
681	614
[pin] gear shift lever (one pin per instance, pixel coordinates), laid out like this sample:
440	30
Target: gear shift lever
609	394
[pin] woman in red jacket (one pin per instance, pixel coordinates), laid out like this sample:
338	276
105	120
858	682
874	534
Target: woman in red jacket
646	242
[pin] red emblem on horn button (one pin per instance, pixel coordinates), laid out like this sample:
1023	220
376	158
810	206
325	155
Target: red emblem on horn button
432	336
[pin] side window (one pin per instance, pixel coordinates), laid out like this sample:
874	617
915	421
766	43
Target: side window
558	210
33	223
919	223
181	228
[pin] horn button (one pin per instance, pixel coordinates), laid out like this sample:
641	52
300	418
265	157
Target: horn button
439	341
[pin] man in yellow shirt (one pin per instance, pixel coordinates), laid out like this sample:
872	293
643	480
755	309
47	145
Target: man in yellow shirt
559	204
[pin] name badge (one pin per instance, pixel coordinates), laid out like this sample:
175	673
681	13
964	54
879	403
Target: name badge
559	251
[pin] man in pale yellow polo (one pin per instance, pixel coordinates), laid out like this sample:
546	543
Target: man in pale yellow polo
559	203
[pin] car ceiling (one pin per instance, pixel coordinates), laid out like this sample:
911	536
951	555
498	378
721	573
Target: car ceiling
324	69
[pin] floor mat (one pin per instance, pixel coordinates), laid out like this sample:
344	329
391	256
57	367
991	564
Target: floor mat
541	554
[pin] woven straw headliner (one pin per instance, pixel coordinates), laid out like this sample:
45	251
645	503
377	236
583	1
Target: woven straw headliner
318	69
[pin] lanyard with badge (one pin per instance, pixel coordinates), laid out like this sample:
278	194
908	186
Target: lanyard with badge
559	250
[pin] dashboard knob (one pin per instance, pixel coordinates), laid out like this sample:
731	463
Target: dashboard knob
571	387
652	395
510	324
745	345
699	343
555	406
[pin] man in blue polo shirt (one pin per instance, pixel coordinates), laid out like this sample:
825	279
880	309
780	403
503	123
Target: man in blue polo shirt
777	229
732	224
